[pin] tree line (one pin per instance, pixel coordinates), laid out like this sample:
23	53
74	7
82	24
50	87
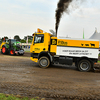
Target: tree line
16	37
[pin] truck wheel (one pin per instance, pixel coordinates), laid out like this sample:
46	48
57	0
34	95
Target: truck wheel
84	65
4	50
44	62
12	52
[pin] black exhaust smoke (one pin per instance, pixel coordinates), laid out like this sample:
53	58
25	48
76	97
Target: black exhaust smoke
62	6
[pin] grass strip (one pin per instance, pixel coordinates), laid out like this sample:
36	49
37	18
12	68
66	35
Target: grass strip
98	61
17	97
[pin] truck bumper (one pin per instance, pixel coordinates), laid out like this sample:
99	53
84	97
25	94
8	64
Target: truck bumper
34	59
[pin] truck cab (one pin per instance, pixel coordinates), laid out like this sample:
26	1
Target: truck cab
40	44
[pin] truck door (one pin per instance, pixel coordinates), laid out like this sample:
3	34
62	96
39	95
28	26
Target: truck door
38	44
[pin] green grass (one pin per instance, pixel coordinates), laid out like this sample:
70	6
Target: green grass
99	56
98	61
12	97
27	51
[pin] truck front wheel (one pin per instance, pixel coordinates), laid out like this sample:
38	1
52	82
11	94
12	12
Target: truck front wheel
44	62
84	65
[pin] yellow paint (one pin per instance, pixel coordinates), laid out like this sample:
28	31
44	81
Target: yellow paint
39	47
78	43
39	30
31	47
2	44
34	59
53	48
53	45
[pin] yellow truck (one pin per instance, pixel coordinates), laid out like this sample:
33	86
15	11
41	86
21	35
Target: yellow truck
47	49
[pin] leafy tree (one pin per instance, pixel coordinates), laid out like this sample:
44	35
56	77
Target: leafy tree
29	41
4	38
25	37
17	37
29	37
23	41
0	40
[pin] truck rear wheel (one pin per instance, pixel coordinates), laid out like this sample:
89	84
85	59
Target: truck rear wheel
84	65
44	62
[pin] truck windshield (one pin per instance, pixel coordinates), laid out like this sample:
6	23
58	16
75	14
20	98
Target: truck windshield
39	38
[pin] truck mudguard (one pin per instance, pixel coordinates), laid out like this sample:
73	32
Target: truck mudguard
47	54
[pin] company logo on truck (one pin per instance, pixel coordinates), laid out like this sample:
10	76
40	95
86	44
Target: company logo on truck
37	49
91	44
62	43
54	42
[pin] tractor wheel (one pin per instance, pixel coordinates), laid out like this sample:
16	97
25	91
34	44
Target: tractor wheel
84	65
44	62
12	52
4	50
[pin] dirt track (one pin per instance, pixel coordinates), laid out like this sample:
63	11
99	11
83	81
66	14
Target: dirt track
20	76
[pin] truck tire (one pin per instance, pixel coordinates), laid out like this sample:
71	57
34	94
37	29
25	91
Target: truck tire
84	65
4	50
44	62
12	52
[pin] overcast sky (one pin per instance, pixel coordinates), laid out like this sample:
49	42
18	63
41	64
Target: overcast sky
23	17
